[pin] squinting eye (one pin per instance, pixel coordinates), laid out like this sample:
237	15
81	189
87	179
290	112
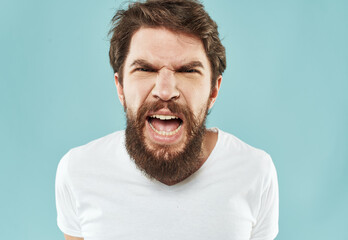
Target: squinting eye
143	70
189	71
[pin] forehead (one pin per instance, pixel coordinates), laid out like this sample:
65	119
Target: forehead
165	47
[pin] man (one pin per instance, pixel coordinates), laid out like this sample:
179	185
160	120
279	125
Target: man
167	176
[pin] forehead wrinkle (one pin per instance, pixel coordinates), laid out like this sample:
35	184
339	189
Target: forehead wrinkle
176	57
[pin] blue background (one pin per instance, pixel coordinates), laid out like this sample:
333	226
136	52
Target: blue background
284	90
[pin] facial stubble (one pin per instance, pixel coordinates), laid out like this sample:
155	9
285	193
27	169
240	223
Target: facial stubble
161	161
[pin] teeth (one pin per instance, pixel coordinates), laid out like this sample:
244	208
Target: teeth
164	117
164	133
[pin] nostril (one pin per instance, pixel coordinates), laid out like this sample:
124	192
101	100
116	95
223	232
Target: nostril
165	90
165	95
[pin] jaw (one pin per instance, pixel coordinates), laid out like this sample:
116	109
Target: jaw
169	158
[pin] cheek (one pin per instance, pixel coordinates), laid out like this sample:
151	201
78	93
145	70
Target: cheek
196	99
136	94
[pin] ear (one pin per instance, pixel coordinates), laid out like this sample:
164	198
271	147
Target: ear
119	87
215	91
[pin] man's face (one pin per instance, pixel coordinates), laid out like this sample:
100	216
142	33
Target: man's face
166	93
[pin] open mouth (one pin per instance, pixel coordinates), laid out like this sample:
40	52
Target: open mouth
165	125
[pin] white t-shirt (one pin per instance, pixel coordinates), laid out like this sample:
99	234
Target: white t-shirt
102	195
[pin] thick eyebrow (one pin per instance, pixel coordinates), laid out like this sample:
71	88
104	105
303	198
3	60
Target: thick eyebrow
190	65
143	63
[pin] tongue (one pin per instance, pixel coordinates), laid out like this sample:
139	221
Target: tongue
165	125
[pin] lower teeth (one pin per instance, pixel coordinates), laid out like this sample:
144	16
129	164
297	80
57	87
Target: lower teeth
164	133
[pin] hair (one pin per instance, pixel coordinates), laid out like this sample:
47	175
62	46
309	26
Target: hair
187	16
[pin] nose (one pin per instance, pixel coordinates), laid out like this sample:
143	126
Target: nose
166	85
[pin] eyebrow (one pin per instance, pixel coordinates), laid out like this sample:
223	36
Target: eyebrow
146	64
143	63
190	65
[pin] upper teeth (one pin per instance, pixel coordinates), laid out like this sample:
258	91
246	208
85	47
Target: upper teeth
164	117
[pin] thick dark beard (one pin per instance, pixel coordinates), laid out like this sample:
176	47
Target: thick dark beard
161	162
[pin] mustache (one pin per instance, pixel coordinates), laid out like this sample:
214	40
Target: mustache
160	104
172	106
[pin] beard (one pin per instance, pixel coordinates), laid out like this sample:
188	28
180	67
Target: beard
160	161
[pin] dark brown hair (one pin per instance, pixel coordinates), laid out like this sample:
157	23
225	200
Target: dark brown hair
186	16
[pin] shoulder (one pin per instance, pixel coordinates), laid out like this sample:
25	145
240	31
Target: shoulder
100	144
88	154
238	153
99	147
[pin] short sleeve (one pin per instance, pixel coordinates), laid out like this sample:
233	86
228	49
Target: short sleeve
266	226
67	219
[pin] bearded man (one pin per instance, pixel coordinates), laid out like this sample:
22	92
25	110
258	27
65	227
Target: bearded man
167	176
